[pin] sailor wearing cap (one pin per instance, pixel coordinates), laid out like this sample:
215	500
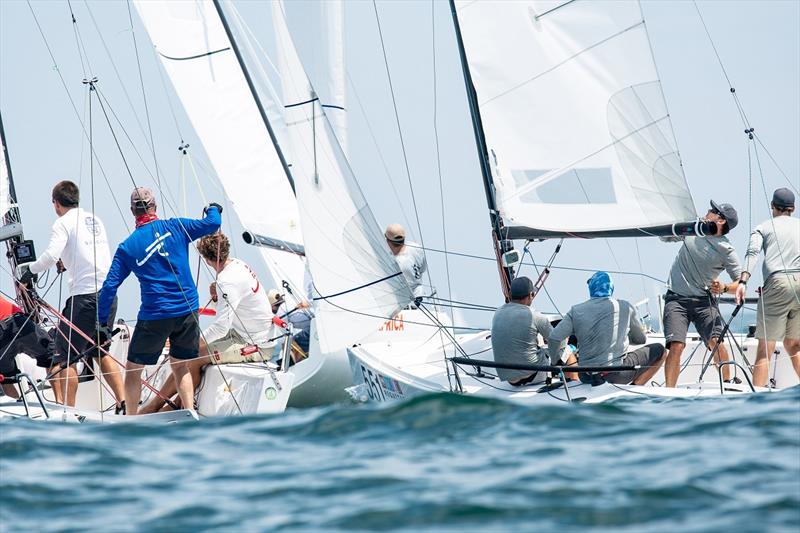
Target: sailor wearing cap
157	252
409	256
300	317
691	285
516	327
778	313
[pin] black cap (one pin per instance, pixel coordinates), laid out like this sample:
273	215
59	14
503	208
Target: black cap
728	213
783	198
521	287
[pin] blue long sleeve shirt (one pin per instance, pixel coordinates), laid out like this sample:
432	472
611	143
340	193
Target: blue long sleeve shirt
158	255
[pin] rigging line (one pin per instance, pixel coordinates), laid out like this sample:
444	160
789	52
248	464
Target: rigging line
544	286
378	150
159	69
438	156
494	260
774	162
114	67
94	253
641	268
586	195
78	41
72	102
400	132
144	94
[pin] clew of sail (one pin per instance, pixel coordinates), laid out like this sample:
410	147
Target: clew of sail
578	135
356	278
196	53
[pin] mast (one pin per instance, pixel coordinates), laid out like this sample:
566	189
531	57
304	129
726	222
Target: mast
253	91
500	243
11	230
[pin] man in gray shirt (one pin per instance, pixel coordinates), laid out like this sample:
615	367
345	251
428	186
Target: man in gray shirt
604	326
515	335
778	313
692	287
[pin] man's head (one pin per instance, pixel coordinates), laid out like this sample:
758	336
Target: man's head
275	299
143	201
395	237
65	196
782	202
600	285
521	290
215	249
724	215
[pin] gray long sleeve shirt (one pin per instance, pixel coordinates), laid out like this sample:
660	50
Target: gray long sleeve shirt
515	331
779	238
603	327
699	262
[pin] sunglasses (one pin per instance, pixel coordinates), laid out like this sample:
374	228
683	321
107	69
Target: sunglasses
716	212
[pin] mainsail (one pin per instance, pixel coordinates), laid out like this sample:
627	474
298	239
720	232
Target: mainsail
355	276
198	57
578	136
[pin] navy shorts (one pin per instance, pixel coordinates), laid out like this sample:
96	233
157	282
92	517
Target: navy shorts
81	311
680	311
150	336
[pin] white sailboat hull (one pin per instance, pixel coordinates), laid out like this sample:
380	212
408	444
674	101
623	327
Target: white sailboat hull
384	371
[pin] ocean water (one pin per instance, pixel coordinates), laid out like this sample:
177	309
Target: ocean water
435	463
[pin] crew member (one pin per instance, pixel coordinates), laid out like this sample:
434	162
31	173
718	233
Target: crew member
516	328
409	256
692	289
603	327
20	334
300	317
78	246
157	252
778	312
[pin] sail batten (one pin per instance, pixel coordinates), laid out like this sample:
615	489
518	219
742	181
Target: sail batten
577	131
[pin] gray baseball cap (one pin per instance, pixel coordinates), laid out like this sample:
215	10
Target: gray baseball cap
521	287
783	197
142	198
727	212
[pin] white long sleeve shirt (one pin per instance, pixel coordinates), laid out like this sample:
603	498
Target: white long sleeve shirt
242	306
79	239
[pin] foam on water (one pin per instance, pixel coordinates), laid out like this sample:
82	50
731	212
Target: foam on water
438	462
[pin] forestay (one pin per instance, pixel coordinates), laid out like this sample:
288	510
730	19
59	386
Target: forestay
353	271
577	129
196	53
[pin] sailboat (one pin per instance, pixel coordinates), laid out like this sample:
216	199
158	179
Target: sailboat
279	155
575	141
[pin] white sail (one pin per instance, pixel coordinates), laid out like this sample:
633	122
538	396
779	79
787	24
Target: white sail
349	261
578	133
5	185
334	75
202	66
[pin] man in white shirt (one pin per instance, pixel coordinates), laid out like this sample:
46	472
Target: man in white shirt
78	245
243	329
409	256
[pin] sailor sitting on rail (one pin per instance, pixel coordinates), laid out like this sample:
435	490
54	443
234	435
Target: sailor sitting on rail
515	335
409	256
243	328
20	334
300	317
603	326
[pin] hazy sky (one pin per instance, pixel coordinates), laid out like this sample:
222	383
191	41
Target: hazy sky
759	43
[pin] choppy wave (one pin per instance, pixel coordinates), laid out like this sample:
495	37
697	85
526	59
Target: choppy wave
439	462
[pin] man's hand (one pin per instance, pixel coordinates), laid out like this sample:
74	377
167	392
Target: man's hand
212	289
209	206
741	290
60	268
25	276
717	287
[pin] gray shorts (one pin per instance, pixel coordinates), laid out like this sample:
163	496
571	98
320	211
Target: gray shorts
645	357
680	311
778	313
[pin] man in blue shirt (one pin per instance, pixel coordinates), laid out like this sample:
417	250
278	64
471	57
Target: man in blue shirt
157	252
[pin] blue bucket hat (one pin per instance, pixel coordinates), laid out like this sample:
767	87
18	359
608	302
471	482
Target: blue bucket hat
600	285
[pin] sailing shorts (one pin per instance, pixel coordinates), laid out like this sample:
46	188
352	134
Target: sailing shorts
233	348
150	336
81	311
680	311
646	357
778	313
